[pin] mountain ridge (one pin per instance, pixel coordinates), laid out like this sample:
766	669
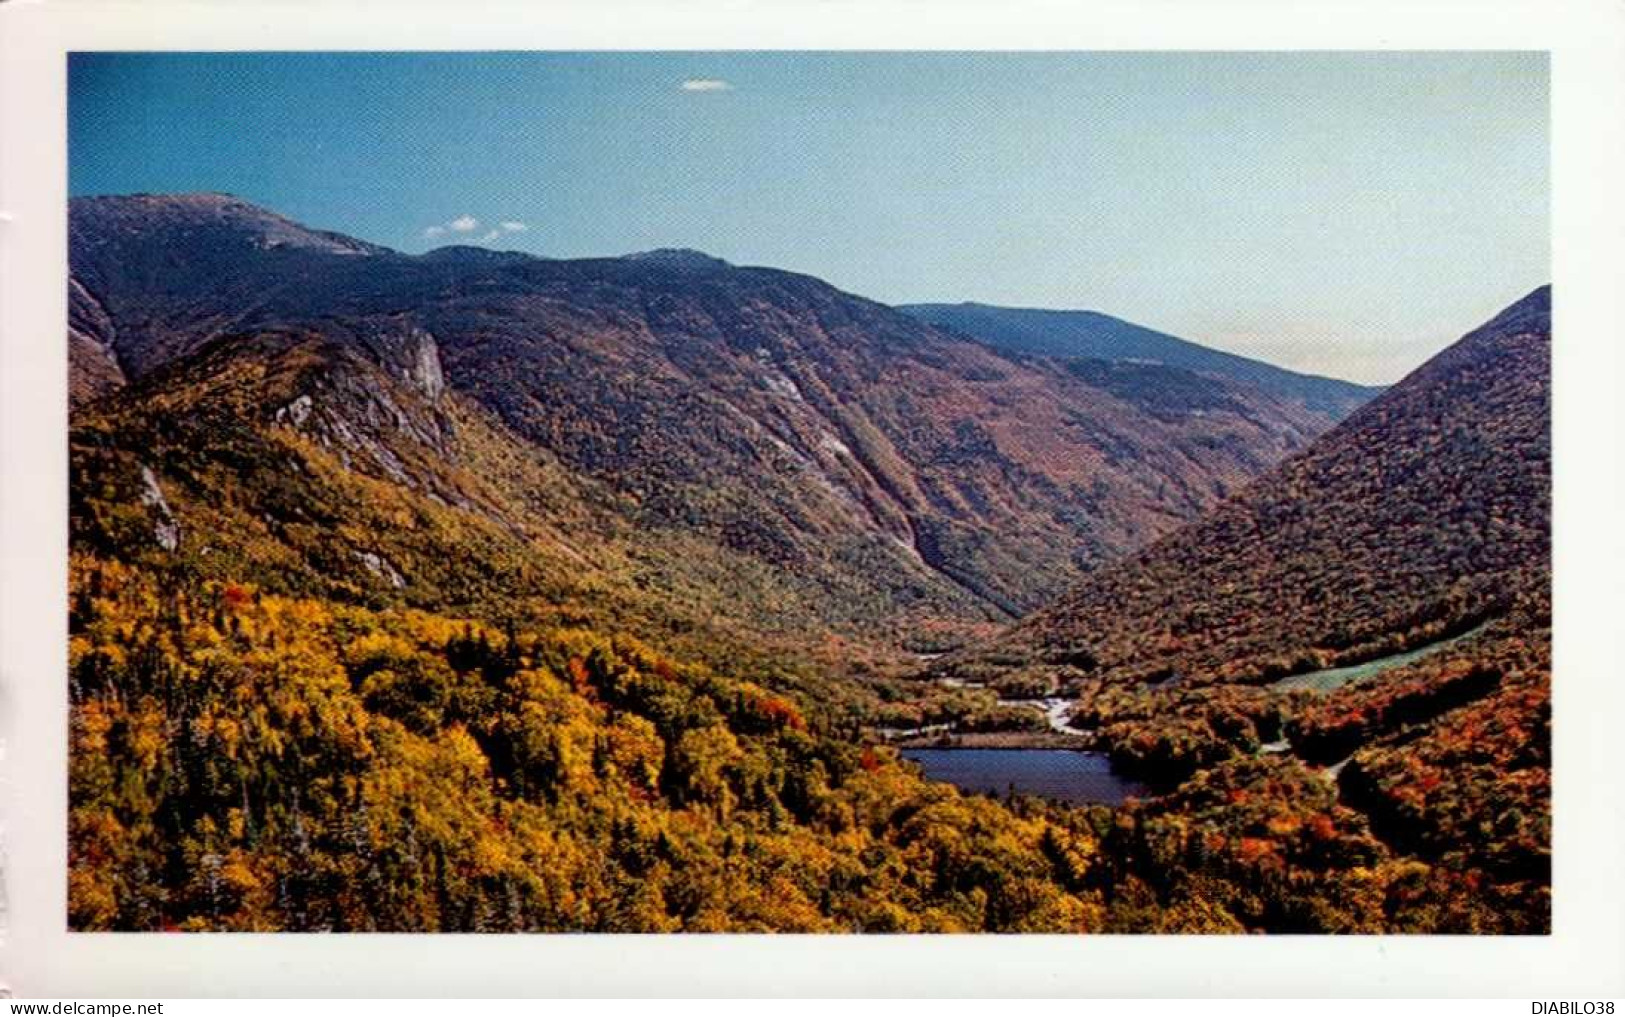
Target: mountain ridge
1372	616
1073	333
859	458
1478	406
476	594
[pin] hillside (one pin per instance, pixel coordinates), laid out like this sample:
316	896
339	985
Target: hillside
253	762
1416	517
1376	610
244	761
474	591
1099	336
793	459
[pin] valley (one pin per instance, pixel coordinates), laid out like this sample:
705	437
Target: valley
797	460
478	591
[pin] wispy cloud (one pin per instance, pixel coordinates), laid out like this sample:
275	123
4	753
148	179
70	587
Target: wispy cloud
465	224
461	224
705	85
502	230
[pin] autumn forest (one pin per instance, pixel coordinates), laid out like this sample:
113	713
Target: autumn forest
473	591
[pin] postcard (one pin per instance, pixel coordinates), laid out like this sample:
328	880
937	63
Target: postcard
923	496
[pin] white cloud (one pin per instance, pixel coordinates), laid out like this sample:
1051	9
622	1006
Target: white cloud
468	224
706	85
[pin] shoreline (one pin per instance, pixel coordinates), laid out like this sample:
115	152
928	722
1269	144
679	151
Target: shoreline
998	740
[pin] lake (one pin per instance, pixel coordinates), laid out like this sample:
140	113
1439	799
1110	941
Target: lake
1081	778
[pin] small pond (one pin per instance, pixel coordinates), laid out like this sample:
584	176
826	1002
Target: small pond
1081	778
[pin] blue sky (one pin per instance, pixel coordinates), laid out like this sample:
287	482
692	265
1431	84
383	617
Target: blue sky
1342	213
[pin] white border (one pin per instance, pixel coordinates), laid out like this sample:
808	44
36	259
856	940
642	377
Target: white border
1584	956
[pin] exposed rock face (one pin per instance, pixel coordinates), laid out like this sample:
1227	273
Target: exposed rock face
425	371
380	566
400	344
95	369
347	409
164	528
296	412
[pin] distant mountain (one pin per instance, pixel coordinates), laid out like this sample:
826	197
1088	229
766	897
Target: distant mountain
1091	334
757	445
679	257
470	254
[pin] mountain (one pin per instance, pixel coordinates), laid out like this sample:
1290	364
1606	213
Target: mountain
1414	516
478	592
755	443
1103	337
679	258
1376	608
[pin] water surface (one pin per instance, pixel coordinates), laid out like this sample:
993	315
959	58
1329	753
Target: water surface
1066	775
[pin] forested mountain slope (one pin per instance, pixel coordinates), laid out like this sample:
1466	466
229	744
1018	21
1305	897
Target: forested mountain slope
1419	516
1377	609
837	465
479	592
